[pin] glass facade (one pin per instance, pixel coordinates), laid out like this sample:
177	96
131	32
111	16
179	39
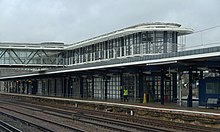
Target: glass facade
154	42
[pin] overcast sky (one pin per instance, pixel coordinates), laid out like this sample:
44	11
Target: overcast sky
70	21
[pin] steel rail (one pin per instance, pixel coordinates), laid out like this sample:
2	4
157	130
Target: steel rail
27	122
155	123
69	116
76	115
45	120
7	127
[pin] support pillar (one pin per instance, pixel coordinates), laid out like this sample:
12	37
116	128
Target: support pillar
62	87
6	87
81	87
23	87
92	87
174	87
17	87
141	88
48	87
34	87
69	87
162	87
28	87
189	100
180	88
201	75
86	88
43	87
55	87
121	87
106	88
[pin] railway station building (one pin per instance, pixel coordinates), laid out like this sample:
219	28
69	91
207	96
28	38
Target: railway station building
145	58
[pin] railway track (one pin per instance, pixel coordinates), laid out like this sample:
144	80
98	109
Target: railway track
140	124
7	127
43	120
145	121
126	126
108	123
122	123
26	122
81	116
159	123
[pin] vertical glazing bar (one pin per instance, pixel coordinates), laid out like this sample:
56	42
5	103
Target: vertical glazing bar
164	42
176	41
155	42
140	43
129	45
124	46
133	43
147	44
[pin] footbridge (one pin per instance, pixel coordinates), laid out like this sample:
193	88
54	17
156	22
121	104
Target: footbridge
31	55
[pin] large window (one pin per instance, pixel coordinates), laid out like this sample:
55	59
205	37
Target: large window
99	88
159	41
114	87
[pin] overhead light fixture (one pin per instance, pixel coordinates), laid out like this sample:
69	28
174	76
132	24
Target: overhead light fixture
161	63
207	71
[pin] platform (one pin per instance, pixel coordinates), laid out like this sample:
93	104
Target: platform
156	107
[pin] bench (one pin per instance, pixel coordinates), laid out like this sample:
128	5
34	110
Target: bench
212	102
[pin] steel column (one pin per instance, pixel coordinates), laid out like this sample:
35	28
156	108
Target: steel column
141	88
92	86
162	87
69	87
106	88
201	75
174	87
81	87
189	100
55	87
